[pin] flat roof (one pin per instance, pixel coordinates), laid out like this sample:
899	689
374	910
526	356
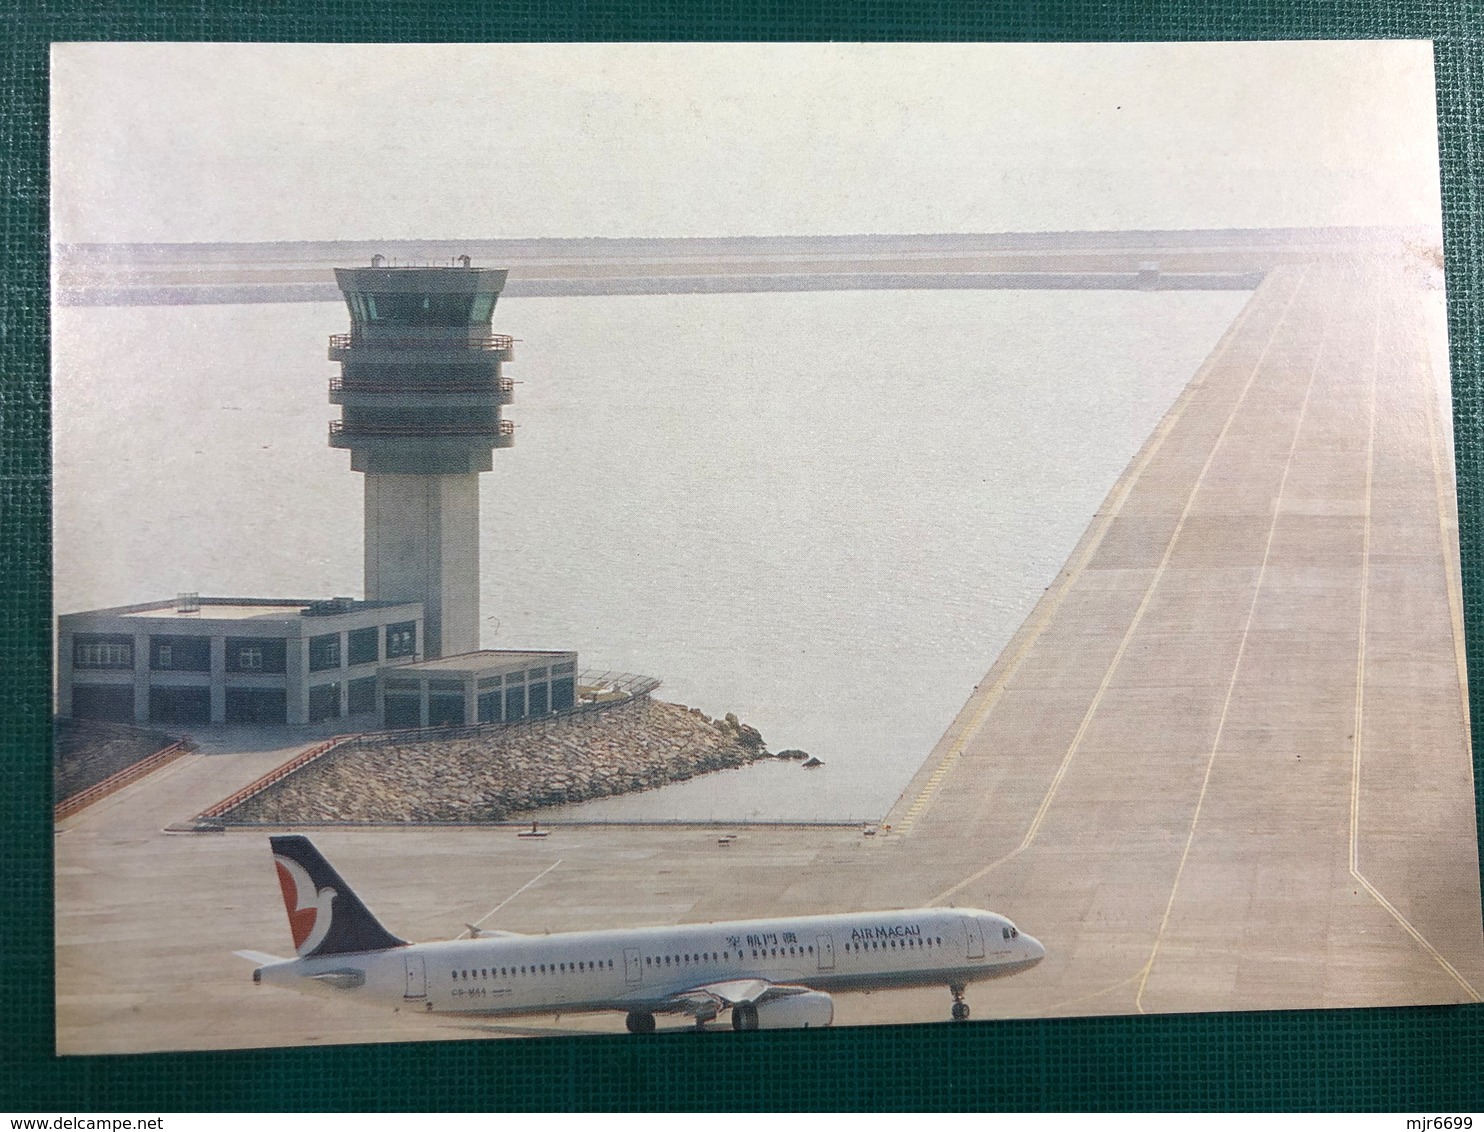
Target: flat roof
222	612
242	609
485	660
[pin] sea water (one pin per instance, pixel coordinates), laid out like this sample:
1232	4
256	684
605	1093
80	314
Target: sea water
826	512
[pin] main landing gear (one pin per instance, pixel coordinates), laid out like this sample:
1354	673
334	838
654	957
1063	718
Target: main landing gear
744	1016
640	1022
960	1007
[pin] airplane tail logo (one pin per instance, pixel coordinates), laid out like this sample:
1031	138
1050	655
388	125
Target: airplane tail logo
309	909
325	916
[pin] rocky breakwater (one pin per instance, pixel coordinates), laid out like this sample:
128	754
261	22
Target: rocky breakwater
502	773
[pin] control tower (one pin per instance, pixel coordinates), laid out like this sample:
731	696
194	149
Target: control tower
420	389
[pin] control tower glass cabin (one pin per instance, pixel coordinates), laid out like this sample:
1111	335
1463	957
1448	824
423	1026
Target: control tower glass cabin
420	391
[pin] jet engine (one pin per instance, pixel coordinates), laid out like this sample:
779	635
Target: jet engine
791	1012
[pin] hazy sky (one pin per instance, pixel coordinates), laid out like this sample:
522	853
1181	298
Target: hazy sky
259	142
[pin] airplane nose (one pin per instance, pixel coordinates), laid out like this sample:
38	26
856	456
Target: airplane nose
1034	946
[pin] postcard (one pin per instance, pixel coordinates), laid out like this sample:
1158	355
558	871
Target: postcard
581	538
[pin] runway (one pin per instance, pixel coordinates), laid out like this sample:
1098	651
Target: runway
1223	765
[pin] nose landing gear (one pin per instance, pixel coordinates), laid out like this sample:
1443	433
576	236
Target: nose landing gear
960	1007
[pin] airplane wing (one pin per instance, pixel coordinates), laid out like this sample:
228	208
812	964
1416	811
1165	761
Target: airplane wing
711	998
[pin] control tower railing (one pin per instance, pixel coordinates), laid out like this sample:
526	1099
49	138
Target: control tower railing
339	431
488	341
338	384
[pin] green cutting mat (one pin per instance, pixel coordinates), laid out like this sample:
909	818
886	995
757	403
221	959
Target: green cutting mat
1428	1059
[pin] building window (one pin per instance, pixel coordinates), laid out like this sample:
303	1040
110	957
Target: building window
401	640
445	710
179	705
257	705
361	644
324	652
489	707
102	652
361	695
180	654
563	669
254	655
515	702
412	309
536	699
324	702
103	701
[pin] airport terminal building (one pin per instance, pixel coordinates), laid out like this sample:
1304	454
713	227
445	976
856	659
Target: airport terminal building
488	686
231	660
274	662
421	392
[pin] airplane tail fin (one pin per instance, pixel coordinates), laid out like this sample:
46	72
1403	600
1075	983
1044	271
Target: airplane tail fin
325	916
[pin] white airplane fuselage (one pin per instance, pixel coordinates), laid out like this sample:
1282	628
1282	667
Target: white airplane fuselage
645	969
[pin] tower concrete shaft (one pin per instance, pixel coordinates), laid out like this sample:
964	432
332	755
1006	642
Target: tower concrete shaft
421	390
422	544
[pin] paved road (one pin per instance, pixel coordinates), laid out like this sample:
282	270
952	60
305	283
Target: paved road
1224	764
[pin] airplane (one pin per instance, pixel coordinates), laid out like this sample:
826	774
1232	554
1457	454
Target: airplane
769	973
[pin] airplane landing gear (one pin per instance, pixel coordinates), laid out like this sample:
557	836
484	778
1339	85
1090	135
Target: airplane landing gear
639	1022
744	1016
960	1007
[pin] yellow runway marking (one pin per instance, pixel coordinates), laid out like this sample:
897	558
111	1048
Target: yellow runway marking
1138	617
1236	670
1065	582
1447	500
1355	762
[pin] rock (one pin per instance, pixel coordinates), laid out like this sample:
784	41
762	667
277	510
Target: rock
812	763
792	753
630	745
